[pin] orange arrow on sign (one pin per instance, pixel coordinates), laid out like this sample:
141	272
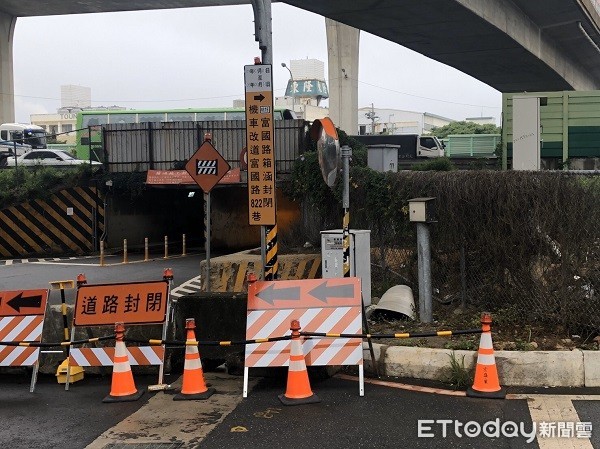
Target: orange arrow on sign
23	302
304	293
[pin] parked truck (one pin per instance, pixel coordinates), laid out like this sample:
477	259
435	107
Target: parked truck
24	134
409	146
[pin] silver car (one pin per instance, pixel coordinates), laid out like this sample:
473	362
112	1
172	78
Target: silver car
55	158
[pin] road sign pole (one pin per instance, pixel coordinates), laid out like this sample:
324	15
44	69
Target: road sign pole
263	251
207	238
346	154
260	142
262	29
263	35
271	264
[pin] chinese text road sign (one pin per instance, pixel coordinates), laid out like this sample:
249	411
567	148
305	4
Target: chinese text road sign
23	302
135	303
260	144
321	305
207	166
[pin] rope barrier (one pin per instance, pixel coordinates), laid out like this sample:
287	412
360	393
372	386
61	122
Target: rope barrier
184	343
178	343
400	335
37	344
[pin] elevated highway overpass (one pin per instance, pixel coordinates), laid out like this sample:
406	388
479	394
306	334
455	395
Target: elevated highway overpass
511	45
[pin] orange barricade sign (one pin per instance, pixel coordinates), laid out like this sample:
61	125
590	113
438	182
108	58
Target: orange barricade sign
133	303
321	305
22	320
23	302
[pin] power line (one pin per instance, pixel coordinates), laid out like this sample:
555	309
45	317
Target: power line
277	90
432	99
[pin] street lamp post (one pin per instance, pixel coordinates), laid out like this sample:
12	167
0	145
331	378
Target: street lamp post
283	64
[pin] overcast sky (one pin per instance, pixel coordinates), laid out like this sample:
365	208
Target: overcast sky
194	57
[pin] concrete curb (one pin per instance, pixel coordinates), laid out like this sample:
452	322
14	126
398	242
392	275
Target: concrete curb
515	368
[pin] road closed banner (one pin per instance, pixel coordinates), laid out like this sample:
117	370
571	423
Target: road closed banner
133	303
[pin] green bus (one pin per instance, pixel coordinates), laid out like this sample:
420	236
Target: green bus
89	122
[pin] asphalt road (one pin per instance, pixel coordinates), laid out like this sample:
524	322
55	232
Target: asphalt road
384	418
28	276
53	418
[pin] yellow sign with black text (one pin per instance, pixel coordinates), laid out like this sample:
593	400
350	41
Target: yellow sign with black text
260	140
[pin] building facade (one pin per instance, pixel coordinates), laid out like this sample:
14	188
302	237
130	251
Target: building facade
306	88
395	121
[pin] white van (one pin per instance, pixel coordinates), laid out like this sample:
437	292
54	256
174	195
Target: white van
24	133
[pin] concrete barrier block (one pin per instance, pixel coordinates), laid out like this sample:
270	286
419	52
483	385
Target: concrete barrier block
591	365
423	363
228	273
540	368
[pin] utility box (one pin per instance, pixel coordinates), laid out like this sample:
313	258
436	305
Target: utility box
332	257
383	158
526	133
422	210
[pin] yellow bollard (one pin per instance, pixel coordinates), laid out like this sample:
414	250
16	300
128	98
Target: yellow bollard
146	249
124	250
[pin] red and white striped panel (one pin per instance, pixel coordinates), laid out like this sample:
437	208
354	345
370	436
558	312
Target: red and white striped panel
20	328
318	351
138	355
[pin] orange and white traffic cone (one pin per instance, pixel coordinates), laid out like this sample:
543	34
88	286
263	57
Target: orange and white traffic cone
486	383
122	388
298	389
193	385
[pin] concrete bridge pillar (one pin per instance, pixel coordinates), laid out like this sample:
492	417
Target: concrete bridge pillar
7	86
342	49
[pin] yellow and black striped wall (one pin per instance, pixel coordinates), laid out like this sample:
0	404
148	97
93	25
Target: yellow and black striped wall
69	222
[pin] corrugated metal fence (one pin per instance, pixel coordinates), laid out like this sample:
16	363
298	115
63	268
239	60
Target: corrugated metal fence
168	145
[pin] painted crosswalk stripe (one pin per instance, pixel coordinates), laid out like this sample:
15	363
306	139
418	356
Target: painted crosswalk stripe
554	409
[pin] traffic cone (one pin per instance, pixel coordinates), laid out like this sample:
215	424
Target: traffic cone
298	389
122	388
486	383
193	385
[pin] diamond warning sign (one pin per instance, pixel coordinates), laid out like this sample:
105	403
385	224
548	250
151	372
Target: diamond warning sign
207	166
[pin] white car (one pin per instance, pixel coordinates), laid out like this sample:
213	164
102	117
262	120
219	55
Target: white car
55	158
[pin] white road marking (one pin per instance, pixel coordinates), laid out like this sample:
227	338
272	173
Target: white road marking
554	409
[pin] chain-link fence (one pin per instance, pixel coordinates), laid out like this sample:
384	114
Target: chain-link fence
525	245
